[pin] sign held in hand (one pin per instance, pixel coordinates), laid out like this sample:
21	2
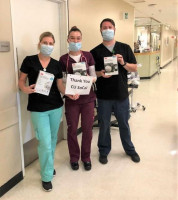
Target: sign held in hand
77	84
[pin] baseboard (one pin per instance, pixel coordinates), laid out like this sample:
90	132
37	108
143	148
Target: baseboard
165	65
11	183
149	77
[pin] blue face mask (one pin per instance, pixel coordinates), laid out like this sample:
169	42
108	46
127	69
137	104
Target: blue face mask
108	34
75	46
46	50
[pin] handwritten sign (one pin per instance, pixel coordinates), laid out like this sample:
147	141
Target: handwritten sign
77	84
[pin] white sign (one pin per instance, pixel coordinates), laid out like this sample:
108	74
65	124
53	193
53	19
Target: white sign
77	84
44	83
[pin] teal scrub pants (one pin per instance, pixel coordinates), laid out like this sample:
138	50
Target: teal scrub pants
46	126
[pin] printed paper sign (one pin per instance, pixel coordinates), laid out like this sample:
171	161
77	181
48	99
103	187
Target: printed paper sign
44	83
78	84
110	65
79	68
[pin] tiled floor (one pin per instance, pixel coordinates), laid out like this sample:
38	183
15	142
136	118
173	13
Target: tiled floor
155	136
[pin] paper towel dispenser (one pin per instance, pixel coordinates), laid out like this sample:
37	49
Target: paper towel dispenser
4	46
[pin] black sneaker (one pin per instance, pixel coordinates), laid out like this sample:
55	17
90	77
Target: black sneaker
87	165
47	186
135	157
74	165
103	159
54	173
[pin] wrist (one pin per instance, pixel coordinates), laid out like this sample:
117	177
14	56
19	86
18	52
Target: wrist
125	63
24	89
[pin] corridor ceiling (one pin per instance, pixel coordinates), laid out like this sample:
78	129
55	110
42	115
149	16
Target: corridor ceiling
165	11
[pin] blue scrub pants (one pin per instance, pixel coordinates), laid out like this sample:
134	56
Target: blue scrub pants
46	126
121	112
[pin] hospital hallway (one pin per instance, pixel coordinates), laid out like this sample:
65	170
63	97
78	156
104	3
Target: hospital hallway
155	136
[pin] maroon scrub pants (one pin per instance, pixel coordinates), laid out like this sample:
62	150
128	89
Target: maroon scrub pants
73	112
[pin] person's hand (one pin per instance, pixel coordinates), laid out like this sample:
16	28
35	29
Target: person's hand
120	59
29	89
94	78
76	96
102	73
73	97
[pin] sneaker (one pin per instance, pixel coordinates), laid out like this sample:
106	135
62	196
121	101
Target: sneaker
47	186
103	159
54	173
135	157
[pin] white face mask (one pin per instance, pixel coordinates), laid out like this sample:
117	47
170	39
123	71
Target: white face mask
46	50
108	34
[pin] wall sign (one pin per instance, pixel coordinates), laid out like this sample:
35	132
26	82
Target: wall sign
4	46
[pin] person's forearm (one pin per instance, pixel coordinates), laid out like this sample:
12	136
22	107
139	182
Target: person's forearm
61	86
98	73
22	85
131	67
26	89
92	73
128	66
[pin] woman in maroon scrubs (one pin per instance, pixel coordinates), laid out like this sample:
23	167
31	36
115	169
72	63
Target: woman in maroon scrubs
83	106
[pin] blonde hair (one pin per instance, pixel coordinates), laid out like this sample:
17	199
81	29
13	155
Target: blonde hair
46	34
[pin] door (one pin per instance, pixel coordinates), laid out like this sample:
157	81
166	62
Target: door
30	19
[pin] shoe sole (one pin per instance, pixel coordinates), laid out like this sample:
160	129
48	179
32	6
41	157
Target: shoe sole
136	161
87	169
103	162
47	190
74	169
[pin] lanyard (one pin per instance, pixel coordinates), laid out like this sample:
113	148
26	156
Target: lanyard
82	56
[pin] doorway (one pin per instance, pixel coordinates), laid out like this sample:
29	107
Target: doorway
29	20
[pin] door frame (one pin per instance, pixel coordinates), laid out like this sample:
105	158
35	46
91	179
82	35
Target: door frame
63	26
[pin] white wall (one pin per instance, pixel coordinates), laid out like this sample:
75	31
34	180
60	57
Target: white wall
168	45
10	153
87	15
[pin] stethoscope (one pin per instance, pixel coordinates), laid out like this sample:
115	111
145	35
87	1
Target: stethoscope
81	60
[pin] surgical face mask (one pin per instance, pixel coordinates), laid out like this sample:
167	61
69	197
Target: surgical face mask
46	50
75	46
108	34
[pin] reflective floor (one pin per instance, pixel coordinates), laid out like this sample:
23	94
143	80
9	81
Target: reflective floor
155	136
